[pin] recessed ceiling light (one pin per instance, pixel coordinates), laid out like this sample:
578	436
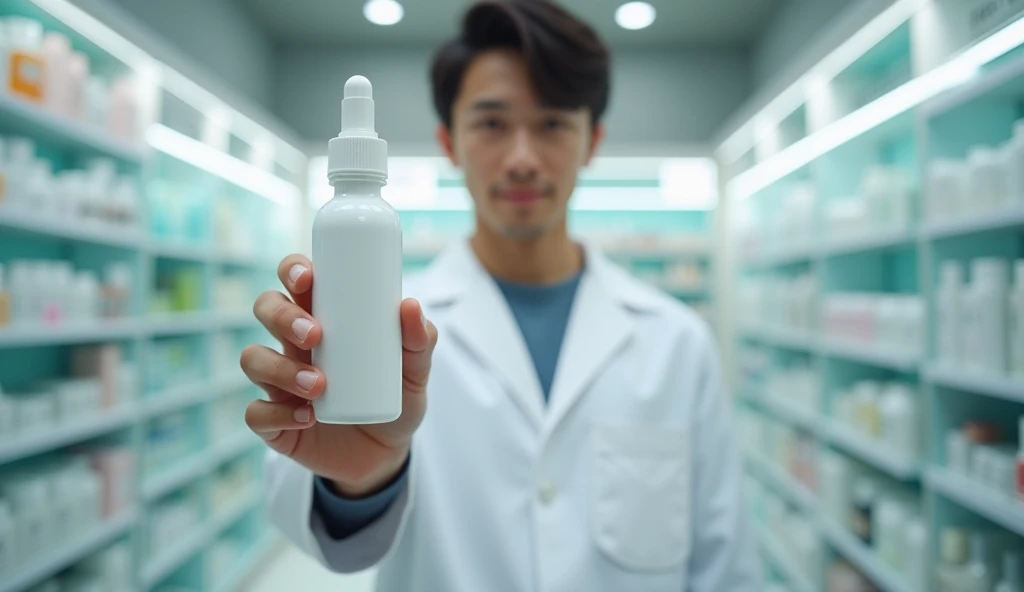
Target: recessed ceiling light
383	12
635	15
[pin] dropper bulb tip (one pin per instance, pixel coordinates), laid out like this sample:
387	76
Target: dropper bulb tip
358	86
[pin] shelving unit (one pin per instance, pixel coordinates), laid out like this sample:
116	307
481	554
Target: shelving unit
236	219
777	556
997	507
791	187
67	553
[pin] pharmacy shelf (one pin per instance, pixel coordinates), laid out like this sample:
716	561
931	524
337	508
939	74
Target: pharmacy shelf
68	333
157	325
237	508
657	254
205	254
158	568
980	85
994	505
247	564
177	398
784	257
65	433
63	555
1000	387
875	454
180	323
196	465
782	337
177	476
790	414
83	231
184	323
164	564
875	241
870	354
1009	217
21	117
180	397
769	544
790	488
860	555
179	251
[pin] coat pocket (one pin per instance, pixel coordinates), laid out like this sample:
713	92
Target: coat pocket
640	502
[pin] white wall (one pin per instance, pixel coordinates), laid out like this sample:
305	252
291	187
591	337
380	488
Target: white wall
658	97
216	34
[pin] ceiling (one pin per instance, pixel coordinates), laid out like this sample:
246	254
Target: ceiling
427	22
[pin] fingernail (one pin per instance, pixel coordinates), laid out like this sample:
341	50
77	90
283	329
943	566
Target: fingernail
423	319
301	414
305	379
296	272
301	328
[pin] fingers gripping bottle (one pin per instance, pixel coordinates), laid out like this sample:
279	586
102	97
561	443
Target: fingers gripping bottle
357	286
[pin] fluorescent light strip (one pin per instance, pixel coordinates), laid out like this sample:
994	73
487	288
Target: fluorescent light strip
790	99
98	33
955	72
225	166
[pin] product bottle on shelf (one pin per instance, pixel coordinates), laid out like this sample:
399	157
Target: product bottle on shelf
24	59
357	252
987	177
978	575
948	301
865	496
989	286
56	50
1016	310
899	421
952	560
916	557
1011	577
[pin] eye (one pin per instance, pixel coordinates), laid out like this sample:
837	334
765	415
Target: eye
489	123
554	124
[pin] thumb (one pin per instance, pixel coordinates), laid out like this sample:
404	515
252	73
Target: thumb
419	336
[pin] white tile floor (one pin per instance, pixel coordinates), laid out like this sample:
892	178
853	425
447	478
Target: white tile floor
290	569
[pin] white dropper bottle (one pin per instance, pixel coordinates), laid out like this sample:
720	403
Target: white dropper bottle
357	286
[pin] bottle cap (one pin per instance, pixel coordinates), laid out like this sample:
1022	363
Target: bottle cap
357	151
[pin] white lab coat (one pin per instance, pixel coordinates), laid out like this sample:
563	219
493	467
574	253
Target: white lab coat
628	480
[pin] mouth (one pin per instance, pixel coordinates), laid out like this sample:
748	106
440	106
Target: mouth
523	196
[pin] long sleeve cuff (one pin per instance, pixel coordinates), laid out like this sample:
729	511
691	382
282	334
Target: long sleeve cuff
343	517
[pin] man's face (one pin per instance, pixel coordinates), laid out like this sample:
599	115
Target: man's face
520	158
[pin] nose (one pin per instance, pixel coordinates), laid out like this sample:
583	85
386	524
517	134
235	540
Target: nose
522	164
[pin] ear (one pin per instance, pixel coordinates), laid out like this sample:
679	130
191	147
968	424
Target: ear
444	139
596	137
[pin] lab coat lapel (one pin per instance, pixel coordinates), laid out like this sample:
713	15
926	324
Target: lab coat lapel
599	325
481	319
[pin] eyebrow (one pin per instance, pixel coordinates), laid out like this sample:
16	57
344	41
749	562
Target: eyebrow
489	105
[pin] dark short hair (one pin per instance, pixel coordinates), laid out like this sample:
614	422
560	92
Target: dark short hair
567	62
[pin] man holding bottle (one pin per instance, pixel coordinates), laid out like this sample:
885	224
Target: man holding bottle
577	436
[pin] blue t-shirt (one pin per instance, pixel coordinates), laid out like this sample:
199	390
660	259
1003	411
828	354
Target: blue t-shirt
542	313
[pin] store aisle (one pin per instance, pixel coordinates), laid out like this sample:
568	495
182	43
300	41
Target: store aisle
290	569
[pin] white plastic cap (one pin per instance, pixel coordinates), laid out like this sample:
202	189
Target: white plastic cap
357	151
